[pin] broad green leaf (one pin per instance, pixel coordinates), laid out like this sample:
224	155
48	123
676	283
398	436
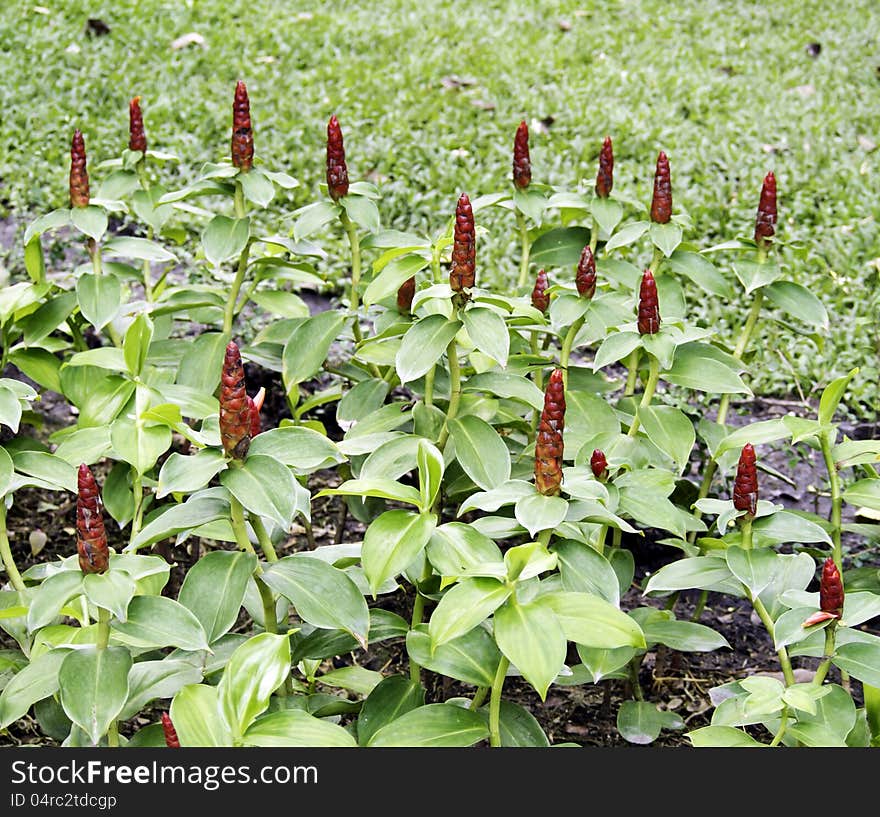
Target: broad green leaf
671	431
214	588
537	512
472	658
702	272
359	680
703	367
196	717
531	637
91	220
592	621
464	606
392	542
112	591
198	511
432	725
393	697
615	347
504	384
518	726
799	303
157	621
605	663
722	736
695	572
132	247
487	329
255	670
765	431
861	661
202	363
39	365
864	493
297	447
52	594
423	345
684	636
641	722
264	487
559	247
324	596
307	348
607	213
754	275
390	279
38	680
184	474
99	298
666	237
480	451
584	570
137	344
312	217
626	235
139	445
362	211
257	187
94	687
376	486
455	549
361	400
755	568
429	460
787	526
150	680
225	238
295	728
831	397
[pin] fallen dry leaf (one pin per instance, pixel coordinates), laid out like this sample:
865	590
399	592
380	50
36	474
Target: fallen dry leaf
193	38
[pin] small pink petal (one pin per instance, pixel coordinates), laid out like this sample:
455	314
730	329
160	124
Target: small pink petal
818	618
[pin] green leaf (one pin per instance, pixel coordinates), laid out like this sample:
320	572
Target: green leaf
202	363
456	548
255	670
798	302
518	726
99	298
46	467
52	594
312	217
139	445
480	451
641	722
537	512
282	303
755	568
472	658
559	247
112	590
376	486
628	234
592	621
225	238
584	570
136	345
695	572
390	279
214	588
703	367
359	680
295	728
196	717
256	187
430	464
307	348
323	595
150	680
94	687
766	431
702	272
786	526
864	493
157	621
531	637
38	680
91	220
831	397
423	345
607	213
264	487
392	542
393	697
615	347
179	518
464	606
684	636
184	474
507	385
671	431
140	248
753	275
488	331
362	211
666	237
861	661
297	447
722	736
432	725
39	365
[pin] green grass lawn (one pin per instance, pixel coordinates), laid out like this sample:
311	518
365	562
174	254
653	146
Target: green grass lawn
429	95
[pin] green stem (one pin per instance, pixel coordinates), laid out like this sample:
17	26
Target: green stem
650	387
634	666
138	518
525	252
429	386
616	538
565	352
479	697
783	725
103	629
600	540
594	235
6	552
822	669
436	272
495	702
747	532
418	611
784	661
355	245
263	538
632	367
230	310
240	530
836	498
454	390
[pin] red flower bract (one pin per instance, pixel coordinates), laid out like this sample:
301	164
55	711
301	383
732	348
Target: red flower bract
599	464
540	298
745	485
242	134
137	137
605	175
462	275
522	166
171	739
661	202
831	589
548	441
585	278
235	410
337	171
254	405
405	294
649	305
79	174
91	537
765	220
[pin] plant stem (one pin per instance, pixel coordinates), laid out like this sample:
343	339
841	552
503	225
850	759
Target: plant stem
137	487
6	552
600	540
436	272
101	644
650	387
634	666
479	697
565	352
747	532
784	661
355	244
822	669
241	538
429	386
594	235
263	538
836	498
495	703
525	252
454	388
632	372
230	310
415	669
783	725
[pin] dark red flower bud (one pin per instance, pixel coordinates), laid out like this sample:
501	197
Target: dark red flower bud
242	134
255	404
137	137
91	537
831	589
661	203
337	172
171	739
464	247
405	294
585	279
649	305
79	174
522	165
548	441
605	176
745	485
765	221
599	464
235	410
540	298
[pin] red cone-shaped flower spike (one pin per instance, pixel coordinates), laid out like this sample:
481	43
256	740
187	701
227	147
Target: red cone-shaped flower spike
585	279
649	305
79	174
242	134
337	171
171	739
522	165
831	589
235	410
765	221
661	203
405	294
255	404
91	538
745	486
540	298
462	275
599	464
548	442
605	176
137	136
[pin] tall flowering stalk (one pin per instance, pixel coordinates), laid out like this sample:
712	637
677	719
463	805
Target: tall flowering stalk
242	133
765	218
661	202
548	442
462	273
648	322
605	174
745	485
235	409
79	174
91	536
137	136
337	170
540	297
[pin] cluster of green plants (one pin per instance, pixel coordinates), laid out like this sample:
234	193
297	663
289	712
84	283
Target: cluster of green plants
496	447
